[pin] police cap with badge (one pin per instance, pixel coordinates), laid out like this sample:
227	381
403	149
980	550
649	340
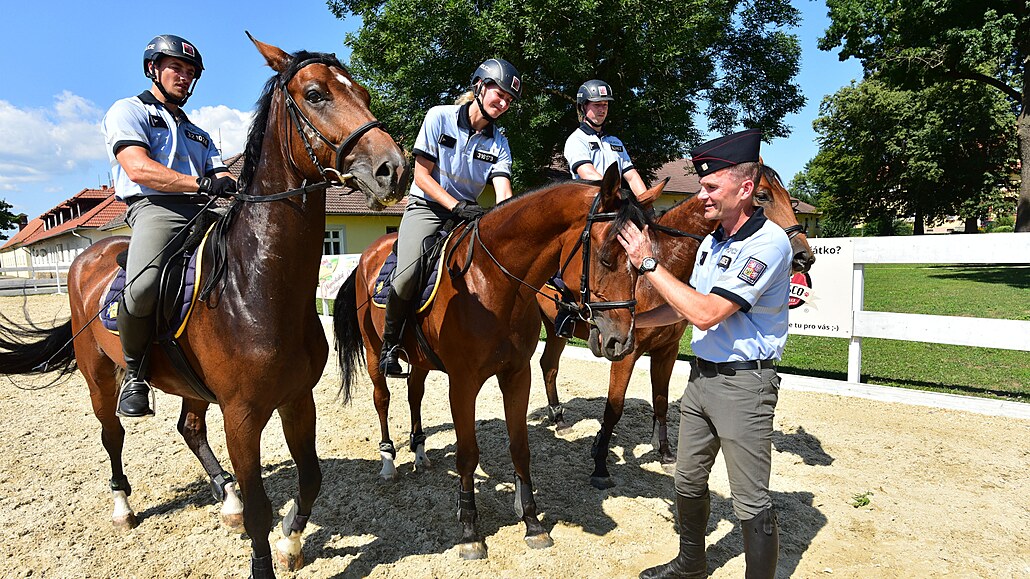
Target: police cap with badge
726	151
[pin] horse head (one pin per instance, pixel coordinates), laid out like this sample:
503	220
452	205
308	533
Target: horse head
773	197
331	134
608	294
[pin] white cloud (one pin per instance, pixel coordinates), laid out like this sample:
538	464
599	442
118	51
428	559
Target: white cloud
228	127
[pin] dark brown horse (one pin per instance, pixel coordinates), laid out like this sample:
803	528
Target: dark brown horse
257	343
677	255
486	323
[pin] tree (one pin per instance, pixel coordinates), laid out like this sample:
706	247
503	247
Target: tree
667	62
986	41
887	153
8	220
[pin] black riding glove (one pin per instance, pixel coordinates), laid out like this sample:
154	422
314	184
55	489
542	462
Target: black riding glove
219	186
468	211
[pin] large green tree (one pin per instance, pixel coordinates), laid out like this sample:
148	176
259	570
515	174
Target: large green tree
8	220
732	61
887	153
987	41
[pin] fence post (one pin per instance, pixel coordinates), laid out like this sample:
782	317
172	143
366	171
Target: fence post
857	305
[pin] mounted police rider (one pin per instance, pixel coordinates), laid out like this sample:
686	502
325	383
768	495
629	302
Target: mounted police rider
590	151
164	168
457	152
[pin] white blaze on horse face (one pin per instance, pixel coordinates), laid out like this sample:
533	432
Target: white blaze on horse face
346	81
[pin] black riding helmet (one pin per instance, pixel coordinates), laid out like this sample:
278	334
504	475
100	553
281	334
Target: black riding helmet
500	72
179	47
593	91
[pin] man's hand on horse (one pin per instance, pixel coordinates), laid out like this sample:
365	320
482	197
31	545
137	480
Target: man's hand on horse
219	186
468	210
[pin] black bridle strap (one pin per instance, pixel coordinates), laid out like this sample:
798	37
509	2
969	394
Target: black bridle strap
302	190
793	231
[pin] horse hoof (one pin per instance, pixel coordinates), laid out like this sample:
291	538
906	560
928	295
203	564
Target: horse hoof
388	478
233	521
669	467
541	541
125	522
423	465
602	482
472	551
562	428
288	555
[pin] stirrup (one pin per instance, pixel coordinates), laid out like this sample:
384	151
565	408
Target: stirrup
394	356
151	400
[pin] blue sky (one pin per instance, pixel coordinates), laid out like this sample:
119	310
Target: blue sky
64	63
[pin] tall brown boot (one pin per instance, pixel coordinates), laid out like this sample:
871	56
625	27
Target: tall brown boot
761	545
690	563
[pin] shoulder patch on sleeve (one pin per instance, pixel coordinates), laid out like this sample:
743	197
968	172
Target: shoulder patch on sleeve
752	271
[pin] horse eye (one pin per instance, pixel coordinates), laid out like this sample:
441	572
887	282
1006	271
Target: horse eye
763	195
313	96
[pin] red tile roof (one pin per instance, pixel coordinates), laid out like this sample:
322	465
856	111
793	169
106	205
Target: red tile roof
19	238
103	212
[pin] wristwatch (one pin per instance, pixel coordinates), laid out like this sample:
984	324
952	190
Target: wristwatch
647	265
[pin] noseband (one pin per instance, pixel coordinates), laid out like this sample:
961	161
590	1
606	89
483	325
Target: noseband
331	175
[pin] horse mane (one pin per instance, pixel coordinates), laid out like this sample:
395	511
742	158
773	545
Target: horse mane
256	134
771	174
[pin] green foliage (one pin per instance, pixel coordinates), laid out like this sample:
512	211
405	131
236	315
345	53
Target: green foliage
667	62
861	499
8	220
887	153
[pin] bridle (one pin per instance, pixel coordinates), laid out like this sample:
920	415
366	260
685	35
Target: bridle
332	176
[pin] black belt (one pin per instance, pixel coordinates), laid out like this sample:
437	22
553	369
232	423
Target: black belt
709	369
196	199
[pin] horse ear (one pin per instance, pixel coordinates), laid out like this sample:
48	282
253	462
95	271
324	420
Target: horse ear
657	189
274	56
610	184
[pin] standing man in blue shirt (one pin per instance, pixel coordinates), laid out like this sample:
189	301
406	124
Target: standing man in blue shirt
164	168
589	150
457	152
737	302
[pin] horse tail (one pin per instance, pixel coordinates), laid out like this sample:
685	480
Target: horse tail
349	346
34	350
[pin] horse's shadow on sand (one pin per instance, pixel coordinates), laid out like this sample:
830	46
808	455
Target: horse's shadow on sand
416	514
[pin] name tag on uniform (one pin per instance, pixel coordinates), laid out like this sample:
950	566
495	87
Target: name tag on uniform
158	122
448	141
196	137
484	156
616	148
725	261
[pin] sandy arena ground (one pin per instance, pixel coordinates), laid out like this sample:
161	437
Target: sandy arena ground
948	490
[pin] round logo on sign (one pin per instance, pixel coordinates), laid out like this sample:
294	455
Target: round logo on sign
800	290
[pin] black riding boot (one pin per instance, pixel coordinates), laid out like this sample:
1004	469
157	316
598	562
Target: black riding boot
396	311
136	334
761	545
690	563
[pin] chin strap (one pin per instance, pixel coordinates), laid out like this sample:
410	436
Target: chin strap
177	102
482	109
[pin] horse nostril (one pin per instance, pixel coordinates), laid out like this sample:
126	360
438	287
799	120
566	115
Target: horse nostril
385	170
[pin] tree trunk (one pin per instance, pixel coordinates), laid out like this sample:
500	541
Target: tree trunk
972	225
1023	133
919	227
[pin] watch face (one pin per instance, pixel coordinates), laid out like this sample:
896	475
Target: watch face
648	264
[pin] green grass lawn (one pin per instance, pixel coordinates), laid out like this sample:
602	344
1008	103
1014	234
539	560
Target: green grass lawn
975	291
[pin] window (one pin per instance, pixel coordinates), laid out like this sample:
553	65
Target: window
332	243
390	229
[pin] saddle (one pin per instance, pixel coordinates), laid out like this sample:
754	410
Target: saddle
178	291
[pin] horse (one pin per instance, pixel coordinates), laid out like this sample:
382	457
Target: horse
484	322
258	345
677	255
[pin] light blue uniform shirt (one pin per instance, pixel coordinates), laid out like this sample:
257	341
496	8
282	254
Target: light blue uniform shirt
465	160
175	142
585	145
751	269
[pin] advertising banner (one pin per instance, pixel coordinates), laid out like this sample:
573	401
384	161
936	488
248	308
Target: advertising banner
820	300
333	272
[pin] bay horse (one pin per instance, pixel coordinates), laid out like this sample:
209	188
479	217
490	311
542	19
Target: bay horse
486	323
676	253
258	344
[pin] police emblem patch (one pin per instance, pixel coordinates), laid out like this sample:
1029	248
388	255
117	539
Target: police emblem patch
515	83
602	90
704	166
448	141
187	48
704	256
158	122
752	270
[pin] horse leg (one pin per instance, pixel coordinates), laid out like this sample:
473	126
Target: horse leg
549	361
298	418
463	414
618	382
193	428
99	373
515	391
243	426
381	398
416	390
663	359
